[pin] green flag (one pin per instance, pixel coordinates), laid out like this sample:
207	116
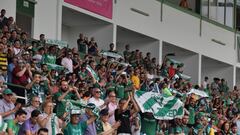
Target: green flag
163	108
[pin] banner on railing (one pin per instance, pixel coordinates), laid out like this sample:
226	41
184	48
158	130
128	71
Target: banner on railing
101	7
59	43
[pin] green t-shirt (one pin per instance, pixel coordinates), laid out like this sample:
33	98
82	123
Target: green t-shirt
13	126
78	129
149	125
120	91
60	106
51	59
40	90
83	75
176	130
186	130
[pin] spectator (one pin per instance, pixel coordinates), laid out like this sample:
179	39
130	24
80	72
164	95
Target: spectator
205	82
49	120
92	47
13	127
82	47
21	73
91	128
123	115
42	131
103	127
3	58
7	108
34	105
17	51
67	62
127	53
65	93
74	126
30	126
3	18
50	57
42	40
184	4
171	71
135	79
38	87
96	98
112	106
10	68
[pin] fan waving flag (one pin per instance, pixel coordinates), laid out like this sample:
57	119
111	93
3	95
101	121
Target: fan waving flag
163	108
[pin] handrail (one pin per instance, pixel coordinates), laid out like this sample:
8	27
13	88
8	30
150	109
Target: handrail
17	86
14	85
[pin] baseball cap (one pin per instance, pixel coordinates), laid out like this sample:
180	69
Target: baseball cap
75	111
7	92
91	106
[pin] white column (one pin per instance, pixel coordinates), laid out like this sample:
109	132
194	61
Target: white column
59	20
115	36
160	60
199	69
234	75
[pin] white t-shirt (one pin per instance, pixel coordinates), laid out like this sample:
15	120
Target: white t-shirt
98	102
67	63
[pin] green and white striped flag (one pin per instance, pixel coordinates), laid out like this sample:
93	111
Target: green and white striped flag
111	54
163	108
92	72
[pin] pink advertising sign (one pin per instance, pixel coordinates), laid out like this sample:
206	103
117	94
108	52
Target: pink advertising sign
101	7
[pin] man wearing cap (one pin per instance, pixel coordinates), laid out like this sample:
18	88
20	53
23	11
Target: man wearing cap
7	108
26	57
74	127
89	112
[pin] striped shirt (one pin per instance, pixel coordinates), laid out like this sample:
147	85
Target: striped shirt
3	61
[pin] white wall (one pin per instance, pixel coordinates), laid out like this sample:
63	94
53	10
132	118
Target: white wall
190	67
103	34
10	6
46	19
124	16
65	33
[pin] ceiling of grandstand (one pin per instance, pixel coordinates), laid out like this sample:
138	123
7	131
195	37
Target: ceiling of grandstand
170	48
129	35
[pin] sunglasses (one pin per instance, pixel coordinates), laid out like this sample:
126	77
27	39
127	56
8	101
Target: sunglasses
98	92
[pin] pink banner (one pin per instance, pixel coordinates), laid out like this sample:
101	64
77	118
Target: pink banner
101	7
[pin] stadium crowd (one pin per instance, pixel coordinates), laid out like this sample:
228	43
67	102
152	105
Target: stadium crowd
103	87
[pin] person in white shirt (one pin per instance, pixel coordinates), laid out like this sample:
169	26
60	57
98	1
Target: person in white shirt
35	104
205	82
96	99
67	62
49	120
